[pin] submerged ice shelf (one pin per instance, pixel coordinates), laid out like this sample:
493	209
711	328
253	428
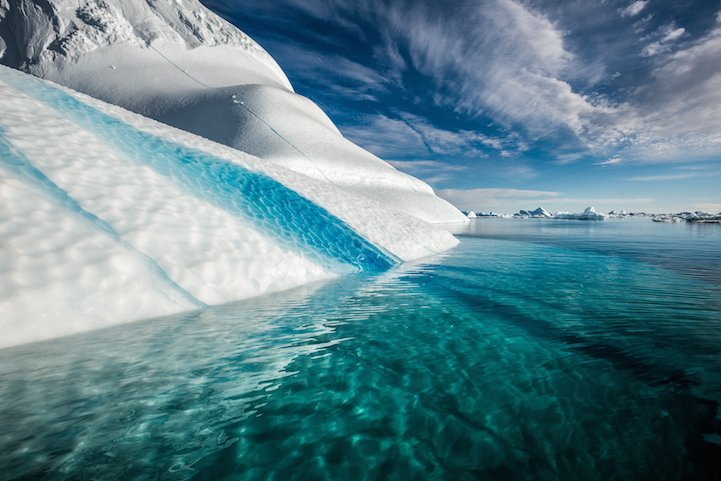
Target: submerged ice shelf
193	222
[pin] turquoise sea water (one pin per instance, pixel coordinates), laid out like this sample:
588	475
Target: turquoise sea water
535	350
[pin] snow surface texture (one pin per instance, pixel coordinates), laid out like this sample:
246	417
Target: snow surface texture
177	62
108	217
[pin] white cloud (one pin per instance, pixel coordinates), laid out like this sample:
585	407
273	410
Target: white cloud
410	134
568	158
656	178
709	167
612	161
499	59
634	9
507	61
677	114
673	34
666	37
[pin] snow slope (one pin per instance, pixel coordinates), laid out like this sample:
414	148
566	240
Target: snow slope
177	62
108	217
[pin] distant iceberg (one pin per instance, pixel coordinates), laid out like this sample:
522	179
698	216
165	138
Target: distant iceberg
588	214
698	217
539	213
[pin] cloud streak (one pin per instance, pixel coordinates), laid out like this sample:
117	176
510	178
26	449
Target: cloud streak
407	135
612	161
634	9
657	178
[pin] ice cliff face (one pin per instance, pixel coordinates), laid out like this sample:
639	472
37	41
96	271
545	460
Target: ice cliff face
108	217
177	62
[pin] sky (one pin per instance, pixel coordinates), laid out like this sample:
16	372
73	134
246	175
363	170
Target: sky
503	105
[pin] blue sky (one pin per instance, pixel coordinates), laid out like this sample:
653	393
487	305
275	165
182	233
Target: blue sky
507	104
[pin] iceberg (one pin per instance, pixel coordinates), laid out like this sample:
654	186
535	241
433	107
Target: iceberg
539	213
178	63
698	217
157	160
701	217
588	214
111	217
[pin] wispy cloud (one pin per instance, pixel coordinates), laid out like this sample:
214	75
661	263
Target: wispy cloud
386	137
408	134
340	75
666	36
656	178
498	58
612	161
676	115
634	9
708	167
522	67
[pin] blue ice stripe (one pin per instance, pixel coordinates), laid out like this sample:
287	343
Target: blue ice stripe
271	206
17	163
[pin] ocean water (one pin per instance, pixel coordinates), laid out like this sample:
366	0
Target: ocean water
535	350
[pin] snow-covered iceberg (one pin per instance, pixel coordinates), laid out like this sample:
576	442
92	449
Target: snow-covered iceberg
588	214
238	187
539	213
177	62
107	217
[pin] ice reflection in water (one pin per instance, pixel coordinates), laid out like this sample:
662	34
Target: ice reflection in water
500	360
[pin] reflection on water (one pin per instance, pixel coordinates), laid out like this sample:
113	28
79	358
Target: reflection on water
499	360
